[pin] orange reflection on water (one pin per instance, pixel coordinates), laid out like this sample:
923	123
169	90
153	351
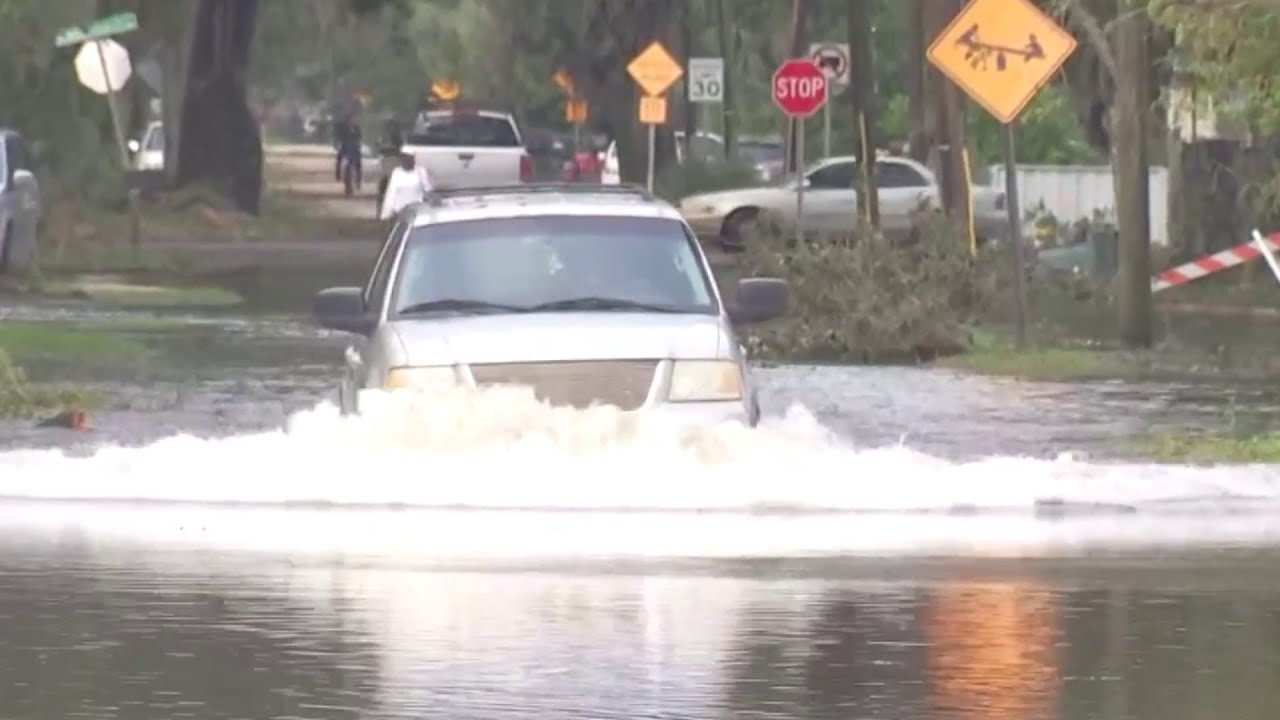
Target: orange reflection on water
991	651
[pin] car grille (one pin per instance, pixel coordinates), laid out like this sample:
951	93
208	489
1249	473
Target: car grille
622	383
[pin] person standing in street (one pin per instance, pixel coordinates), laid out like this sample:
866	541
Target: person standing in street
407	185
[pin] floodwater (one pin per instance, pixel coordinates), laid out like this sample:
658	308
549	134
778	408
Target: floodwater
891	543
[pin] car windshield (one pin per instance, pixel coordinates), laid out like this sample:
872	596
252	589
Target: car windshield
552	263
463	130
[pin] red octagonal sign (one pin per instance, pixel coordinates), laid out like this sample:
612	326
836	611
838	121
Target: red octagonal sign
799	87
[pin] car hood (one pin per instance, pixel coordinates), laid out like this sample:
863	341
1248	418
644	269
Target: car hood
559	336
728	199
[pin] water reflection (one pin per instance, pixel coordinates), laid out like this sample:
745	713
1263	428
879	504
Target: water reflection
92	629
991	650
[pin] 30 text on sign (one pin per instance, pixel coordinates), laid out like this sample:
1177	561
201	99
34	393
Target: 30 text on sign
799	87
654	70
1001	52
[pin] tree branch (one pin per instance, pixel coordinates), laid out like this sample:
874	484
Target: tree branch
1081	17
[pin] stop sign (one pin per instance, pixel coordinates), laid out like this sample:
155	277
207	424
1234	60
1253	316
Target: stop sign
799	87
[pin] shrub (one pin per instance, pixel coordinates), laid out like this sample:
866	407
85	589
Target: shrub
695	176
859	298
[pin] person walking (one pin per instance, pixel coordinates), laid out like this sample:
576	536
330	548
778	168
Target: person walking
407	185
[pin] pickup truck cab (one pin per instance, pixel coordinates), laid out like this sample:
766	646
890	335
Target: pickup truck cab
19	205
463	147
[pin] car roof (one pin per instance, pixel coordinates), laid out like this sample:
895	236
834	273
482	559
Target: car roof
541	199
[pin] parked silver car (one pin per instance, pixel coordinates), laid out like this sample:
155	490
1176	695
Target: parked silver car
588	294
19	206
831	200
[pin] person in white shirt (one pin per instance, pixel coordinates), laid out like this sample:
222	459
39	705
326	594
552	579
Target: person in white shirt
406	185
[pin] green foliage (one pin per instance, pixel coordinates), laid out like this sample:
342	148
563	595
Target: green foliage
1227	51
861	299
20	398
694	176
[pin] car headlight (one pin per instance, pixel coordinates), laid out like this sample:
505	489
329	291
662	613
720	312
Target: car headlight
439	377
705	380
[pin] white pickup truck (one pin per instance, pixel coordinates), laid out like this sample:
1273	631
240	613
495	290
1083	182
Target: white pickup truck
469	148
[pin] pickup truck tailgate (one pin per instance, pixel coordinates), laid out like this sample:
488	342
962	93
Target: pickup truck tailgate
461	167
462	149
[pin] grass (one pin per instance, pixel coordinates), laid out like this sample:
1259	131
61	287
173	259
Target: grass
114	291
35	341
992	354
1209	448
20	398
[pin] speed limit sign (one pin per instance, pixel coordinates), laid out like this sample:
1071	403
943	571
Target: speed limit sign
706	80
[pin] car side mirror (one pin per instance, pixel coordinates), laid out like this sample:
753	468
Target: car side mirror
134	146
343	309
759	300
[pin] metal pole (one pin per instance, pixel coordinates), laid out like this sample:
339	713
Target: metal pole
799	179
826	119
1015	235
111	104
652	141
135	212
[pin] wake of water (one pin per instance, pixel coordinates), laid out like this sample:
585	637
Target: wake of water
501	449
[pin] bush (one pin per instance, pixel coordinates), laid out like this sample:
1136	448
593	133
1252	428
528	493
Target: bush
859	298
695	176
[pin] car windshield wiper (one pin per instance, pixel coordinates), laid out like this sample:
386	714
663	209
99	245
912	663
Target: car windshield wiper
459	305
602	303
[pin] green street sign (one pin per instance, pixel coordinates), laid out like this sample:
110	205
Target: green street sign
117	24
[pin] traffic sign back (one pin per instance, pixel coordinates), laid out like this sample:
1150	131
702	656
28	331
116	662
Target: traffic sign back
654	69
799	87
1001	52
117	24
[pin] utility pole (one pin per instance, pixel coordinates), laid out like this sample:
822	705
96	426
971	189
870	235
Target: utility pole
863	91
799	11
724	19
1132	176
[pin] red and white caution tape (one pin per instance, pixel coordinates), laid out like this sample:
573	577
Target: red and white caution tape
1210	264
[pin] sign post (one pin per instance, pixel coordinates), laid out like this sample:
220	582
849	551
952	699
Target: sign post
799	89
102	65
575	108
98	57
654	70
1001	52
833	58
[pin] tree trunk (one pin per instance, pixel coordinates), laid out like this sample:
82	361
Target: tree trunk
945	121
1129	163
863	92
724	19
795	48
218	140
917	139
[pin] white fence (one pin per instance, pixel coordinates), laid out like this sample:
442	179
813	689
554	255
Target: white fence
1072	192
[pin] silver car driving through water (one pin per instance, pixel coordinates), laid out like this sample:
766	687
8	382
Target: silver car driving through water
587	294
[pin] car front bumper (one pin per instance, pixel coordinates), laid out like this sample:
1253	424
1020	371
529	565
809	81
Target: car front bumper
698	413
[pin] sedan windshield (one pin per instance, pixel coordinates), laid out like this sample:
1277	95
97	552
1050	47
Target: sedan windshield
552	264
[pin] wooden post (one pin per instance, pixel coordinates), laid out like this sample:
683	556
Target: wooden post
863	89
724	17
1132	176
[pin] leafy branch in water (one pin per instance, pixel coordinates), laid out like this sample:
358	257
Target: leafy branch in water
20	398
